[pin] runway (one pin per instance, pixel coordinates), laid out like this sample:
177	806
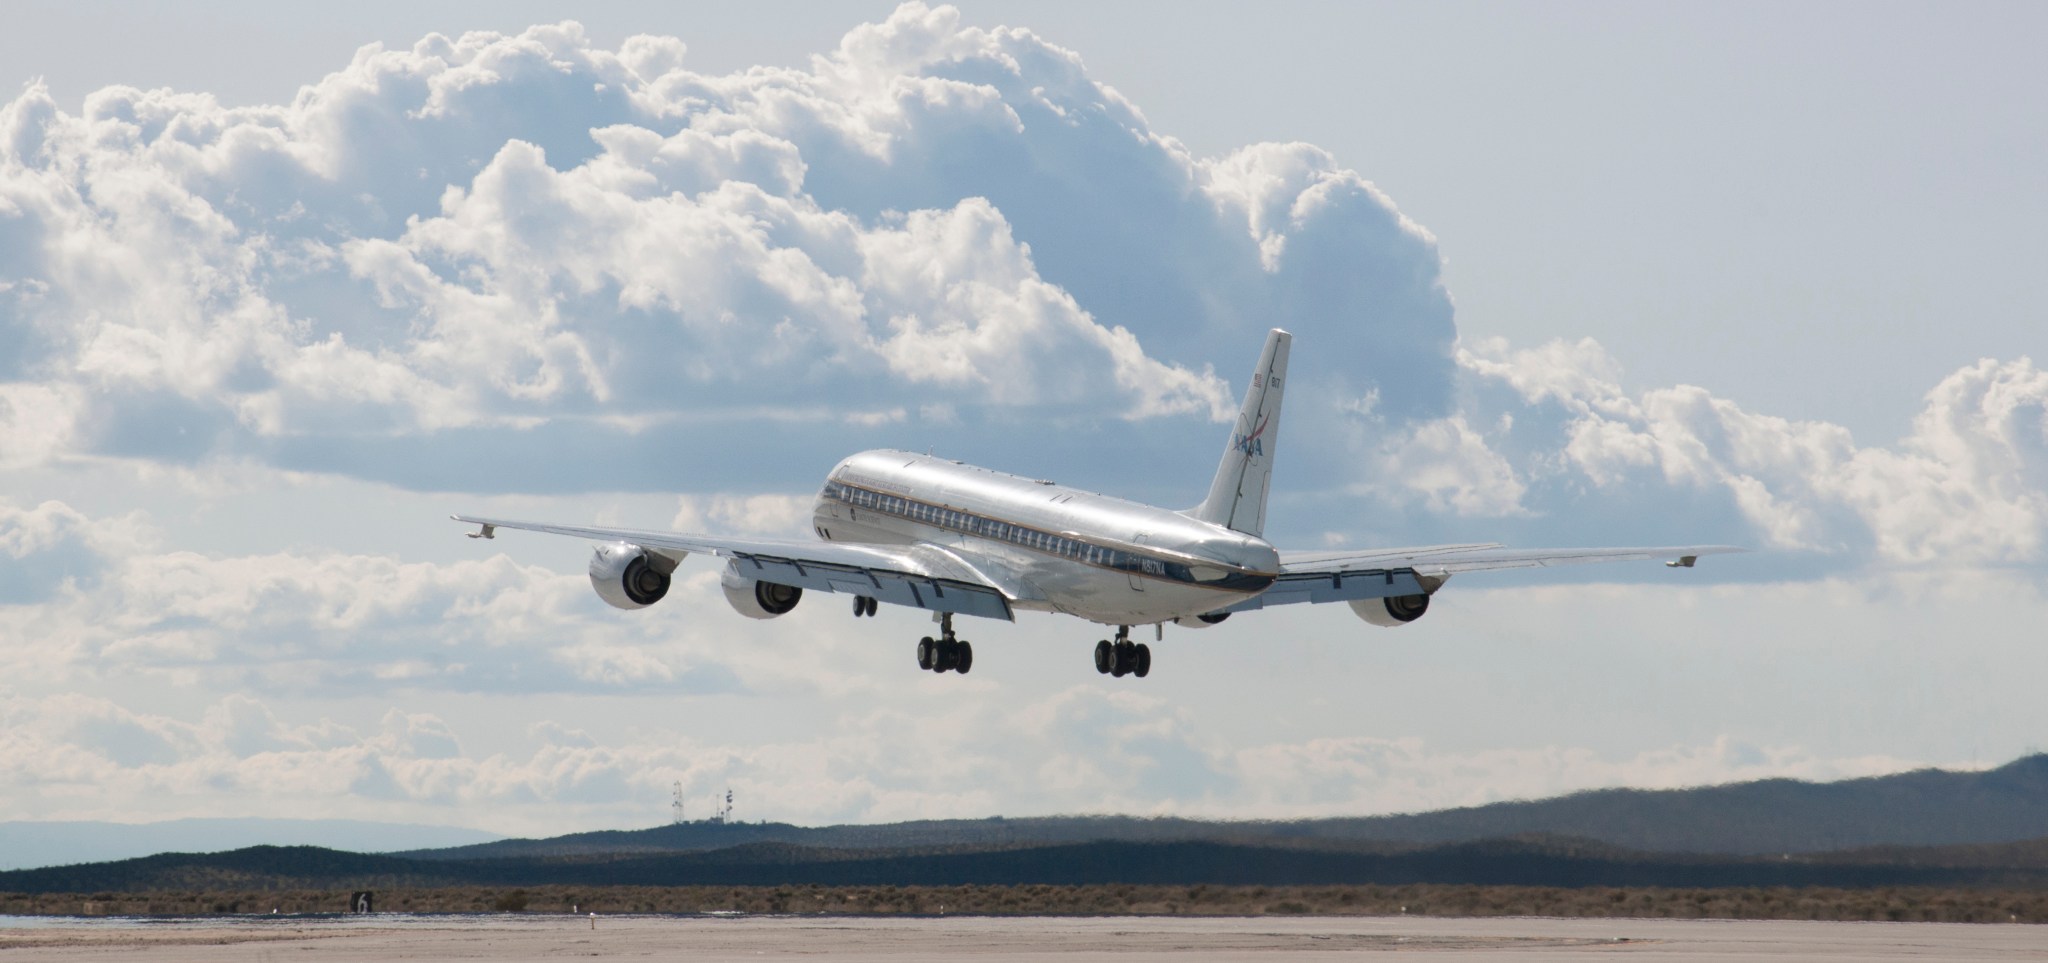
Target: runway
1122	939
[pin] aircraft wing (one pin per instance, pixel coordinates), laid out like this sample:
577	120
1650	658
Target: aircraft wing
1344	575
920	576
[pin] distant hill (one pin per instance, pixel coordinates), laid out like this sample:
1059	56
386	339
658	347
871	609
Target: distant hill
1541	861
1930	827
29	844
1929	807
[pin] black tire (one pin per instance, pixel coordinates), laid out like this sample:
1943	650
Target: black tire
1141	660
873	606
966	658
860	606
949	655
926	657
1105	657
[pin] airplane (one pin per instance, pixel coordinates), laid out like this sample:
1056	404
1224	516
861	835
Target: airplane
956	539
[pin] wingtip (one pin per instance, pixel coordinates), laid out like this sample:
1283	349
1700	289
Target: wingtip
1692	557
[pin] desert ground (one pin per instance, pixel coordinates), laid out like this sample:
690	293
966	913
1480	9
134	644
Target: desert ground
1122	939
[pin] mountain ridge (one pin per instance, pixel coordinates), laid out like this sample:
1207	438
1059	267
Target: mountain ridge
1528	861
27	844
1923	807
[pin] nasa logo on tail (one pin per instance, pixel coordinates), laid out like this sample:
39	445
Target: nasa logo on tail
1250	444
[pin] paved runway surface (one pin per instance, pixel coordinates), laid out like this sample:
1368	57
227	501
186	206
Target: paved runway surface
1123	939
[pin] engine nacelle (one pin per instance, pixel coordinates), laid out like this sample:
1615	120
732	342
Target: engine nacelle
1202	621
627	576
756	599
1393	611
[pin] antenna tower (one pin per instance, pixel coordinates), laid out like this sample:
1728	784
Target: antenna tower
675	807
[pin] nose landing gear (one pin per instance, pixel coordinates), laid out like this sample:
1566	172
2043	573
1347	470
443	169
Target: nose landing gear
1123	657
945	653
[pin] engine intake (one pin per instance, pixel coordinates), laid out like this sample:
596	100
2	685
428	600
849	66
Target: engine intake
756	599
1201	621
627	576
1393	611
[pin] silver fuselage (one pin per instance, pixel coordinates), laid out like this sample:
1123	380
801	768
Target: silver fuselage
1104	559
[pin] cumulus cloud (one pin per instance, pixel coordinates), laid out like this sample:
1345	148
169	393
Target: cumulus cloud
1967	485
331	683
94	603
1084	750
767	514
501	260
525	263
53	546
485	238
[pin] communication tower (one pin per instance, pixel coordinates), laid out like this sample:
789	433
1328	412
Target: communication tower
675	807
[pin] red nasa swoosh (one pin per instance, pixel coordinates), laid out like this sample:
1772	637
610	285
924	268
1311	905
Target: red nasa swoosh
1254	436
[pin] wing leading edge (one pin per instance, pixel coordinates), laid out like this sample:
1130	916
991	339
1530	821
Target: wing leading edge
1342	576
920	576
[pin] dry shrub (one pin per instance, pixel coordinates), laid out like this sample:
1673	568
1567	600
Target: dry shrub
1945	905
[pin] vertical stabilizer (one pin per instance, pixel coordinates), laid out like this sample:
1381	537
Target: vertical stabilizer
1237	498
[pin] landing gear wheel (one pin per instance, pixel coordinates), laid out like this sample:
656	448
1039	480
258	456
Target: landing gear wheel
873	606
965	660
1141	661
1105	657
927	658
1123	659
949	655
860	606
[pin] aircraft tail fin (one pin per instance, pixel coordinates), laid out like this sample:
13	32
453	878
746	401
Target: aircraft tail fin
1237	498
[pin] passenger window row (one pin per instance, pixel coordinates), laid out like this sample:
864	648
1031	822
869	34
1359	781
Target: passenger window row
901	507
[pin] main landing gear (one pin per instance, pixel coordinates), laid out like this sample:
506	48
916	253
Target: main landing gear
1122	657
945	653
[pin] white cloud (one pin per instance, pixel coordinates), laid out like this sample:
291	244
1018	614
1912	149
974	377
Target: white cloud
1449	467
526	264
510	232
37	422
767	514
386	688
1084	750
1967	485
329	623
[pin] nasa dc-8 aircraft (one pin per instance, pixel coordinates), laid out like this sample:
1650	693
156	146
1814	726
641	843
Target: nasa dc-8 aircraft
954	539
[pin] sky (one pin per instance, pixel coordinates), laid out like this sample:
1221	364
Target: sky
280	289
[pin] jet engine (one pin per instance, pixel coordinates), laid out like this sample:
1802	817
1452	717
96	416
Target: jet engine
1202	621
1393	611
627	576
756	599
